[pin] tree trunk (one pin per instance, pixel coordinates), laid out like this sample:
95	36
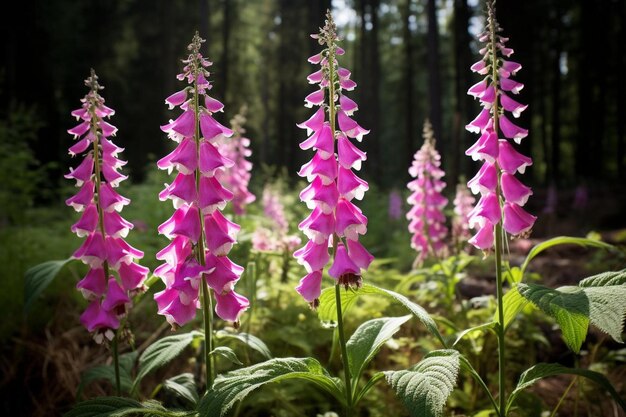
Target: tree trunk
407	85
226	23
555	152
434	79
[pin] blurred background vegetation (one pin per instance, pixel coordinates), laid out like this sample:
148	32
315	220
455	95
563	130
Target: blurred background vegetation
411	61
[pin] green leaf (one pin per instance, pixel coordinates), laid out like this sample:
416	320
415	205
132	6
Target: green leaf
38	278
184	386
227	353
425	389
367	340
605	279
126	361
575	307
234	386
607	309
544	370
513	302
102	407
251	341
562	240
569	306
327	310
461	335
161	352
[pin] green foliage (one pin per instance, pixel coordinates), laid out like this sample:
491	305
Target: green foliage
107	372
234	386
513	302
367	340
425	388
39	277
227	353
544	370
327	310
183	386
20	173
562	240
247	339
162	352
575	307
102	407
605	279
120	407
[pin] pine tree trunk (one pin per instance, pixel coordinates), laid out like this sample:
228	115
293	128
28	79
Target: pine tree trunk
434	79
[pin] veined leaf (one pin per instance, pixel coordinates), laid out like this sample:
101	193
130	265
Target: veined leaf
227	353
327	311
162	352
102	407
126	361
251	341
569	306
234	386
562	240
513	302
39	277
605	279
575	307
184	386
367	340
544	370
425	389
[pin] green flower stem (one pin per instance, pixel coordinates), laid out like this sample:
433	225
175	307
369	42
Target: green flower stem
98	175
344	352
207	307
500	328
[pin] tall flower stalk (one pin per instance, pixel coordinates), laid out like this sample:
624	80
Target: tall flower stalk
197	267
499	210
427	220
104	250
335	221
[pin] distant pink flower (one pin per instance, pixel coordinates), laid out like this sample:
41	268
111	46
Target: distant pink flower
426	217
236	174
104	249
463	206
395	210
334	186
198	196
502	194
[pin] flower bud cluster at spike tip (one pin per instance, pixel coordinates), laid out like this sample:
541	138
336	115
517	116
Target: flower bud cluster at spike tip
236	177
201	236
104	249
335	219
502	194
427	220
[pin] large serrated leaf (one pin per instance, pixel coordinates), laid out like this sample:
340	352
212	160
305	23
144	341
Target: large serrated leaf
107	372
249	340
544	370
425	389
327	310
184	386
605	279
562	240
569	306
38	278
367	340
102	407
161	352
607	309
235	386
